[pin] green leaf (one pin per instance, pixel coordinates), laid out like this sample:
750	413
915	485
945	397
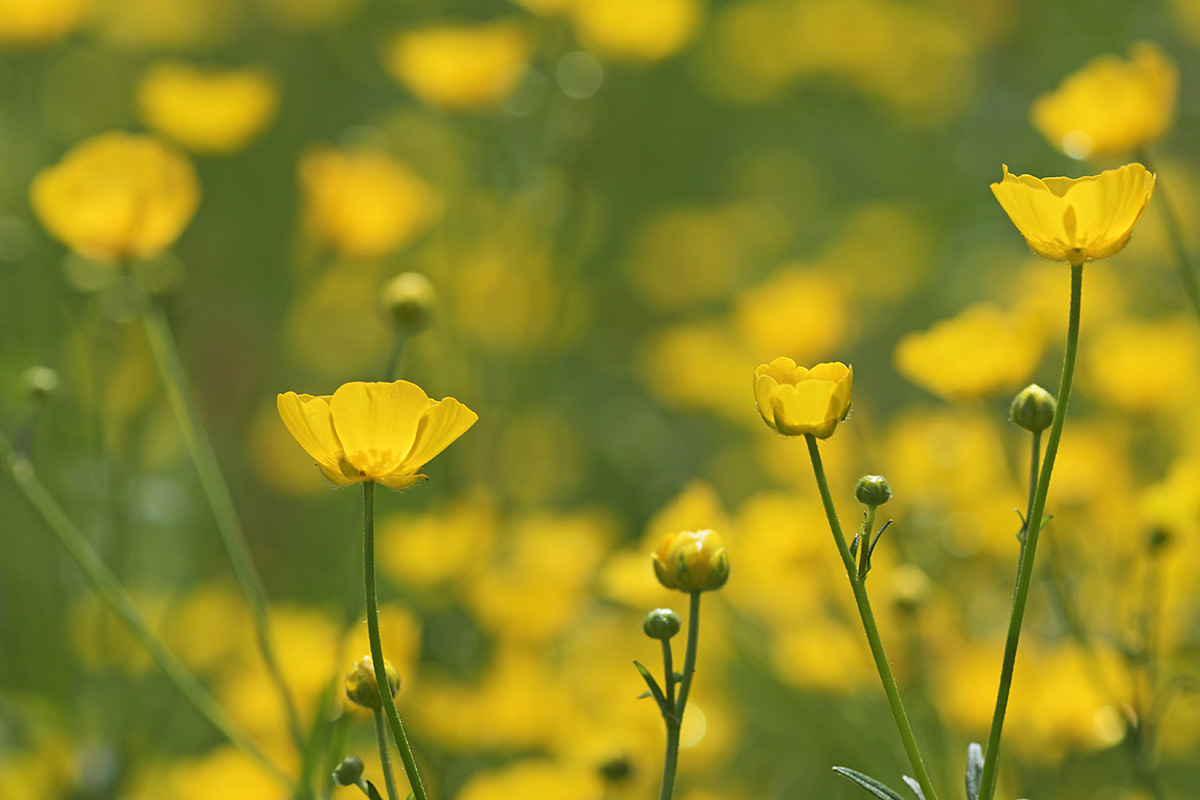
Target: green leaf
974	770
870	784
916	787
659	697
372	792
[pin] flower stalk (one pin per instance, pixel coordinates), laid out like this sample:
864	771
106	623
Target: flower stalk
859	587
381	678
673	711
1033	529
233	537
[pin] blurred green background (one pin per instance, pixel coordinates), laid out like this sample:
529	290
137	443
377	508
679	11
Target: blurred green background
624	206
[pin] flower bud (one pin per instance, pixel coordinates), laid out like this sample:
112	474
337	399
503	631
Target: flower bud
41	383
873	490
1032	409
692	561
361	687
661	623
408	299
349	772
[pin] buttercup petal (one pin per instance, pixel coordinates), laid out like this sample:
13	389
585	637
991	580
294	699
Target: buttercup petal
440	425
377	424
310	422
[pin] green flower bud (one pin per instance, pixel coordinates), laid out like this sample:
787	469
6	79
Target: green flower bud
361	688
692	561
40	382
349	772
1032	408
408	300
661	623
873	490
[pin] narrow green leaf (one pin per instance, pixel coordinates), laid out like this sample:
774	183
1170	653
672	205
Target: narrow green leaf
974	770
372	792
916	787
867	782
659	697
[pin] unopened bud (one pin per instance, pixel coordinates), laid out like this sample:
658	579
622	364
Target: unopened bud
1032	409
349	772
40	382
361	687
873	490
661	623
692	561
409	299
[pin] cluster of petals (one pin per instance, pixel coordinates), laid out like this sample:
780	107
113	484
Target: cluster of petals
692	561
794	400
1076	219
381	432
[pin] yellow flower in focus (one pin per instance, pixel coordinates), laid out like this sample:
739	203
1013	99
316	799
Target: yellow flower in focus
980	351
458	66
794	400
636	30
1076	219
691	561
363	203
117	195
1110	106
40	22
381	432
206	111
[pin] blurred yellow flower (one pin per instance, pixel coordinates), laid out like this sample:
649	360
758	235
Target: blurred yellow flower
1076	219
40	22
980	351
796	310
1110	106
117	195
795	400
1143	366
381	432
636	30
206	111
363	203
692	561
459	66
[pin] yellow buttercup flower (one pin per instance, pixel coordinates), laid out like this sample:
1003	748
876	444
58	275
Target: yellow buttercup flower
206	111
363	202
117	195
794	400
1110	106
1076	219
457	66
636	30
381	432
691	561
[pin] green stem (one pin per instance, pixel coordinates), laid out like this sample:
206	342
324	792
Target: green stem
864	541
1035	458
385	759
109	588
158	331
675	720
859	586
395	365
389	705
1187	270
668	673
1024	578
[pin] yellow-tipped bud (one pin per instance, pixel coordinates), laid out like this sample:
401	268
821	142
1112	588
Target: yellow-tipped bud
409	300
1032	408
692	561
361	688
